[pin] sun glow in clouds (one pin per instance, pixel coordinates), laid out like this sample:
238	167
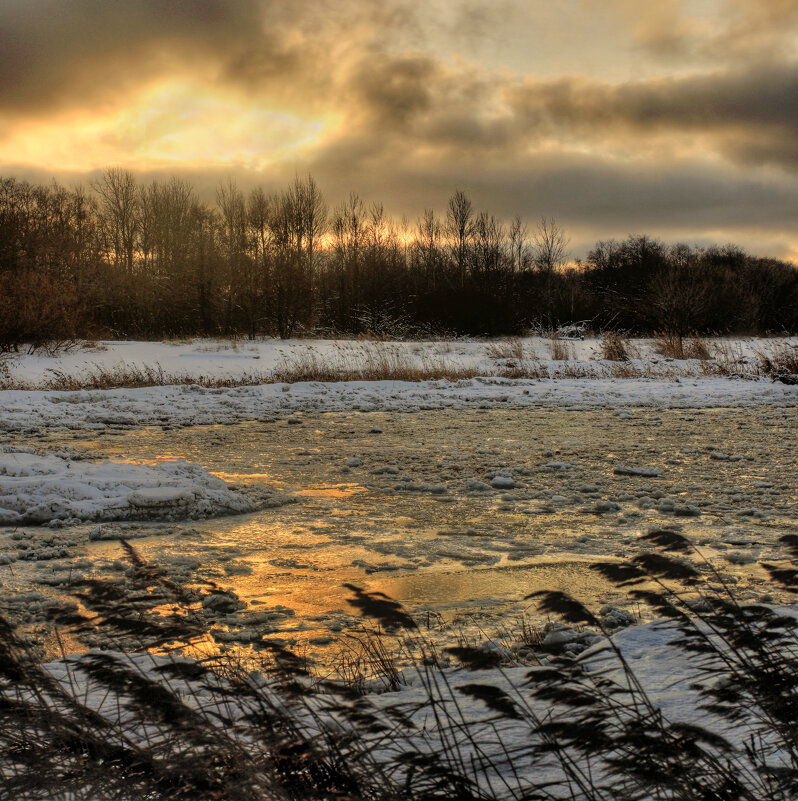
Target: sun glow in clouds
171	124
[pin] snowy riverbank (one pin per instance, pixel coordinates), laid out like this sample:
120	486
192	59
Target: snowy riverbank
29	411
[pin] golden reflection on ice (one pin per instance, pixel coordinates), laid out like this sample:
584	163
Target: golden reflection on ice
332	491
460	588
459	549
240	476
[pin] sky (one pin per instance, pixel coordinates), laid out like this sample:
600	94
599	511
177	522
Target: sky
672	118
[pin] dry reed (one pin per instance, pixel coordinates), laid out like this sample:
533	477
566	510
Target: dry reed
505	349
174	728
560	351
614	347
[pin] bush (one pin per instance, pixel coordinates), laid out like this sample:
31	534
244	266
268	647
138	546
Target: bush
39	311
676	346
780	363
614	347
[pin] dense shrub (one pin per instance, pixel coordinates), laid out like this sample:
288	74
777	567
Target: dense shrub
38	311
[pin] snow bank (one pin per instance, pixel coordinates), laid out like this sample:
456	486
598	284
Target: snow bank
591	383
23	411
41	489
216	358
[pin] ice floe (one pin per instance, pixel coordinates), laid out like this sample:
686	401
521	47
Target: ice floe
40	489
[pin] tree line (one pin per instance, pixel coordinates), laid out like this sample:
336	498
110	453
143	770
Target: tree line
126	259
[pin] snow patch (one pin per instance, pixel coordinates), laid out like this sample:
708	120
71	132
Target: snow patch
38	489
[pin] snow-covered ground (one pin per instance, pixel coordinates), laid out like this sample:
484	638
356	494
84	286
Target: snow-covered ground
211	358
583	382
504	485
191	405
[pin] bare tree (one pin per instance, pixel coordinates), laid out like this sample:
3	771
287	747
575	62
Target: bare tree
119	209
460	227
519	245
165	225
232	210
349	230
298	221
549	245
233	219
259	236
305	221
676	300
427	247
383	259
489	238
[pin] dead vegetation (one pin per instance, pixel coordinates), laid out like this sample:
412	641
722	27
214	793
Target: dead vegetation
368	361
144	721
780	362
560	351
675	346
512	348
614	347
728	360
131	376
38	312
513	359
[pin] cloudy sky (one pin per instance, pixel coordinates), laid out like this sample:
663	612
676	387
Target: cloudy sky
675	118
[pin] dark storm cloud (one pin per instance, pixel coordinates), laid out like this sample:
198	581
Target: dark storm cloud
749	116
57	52
340	57
589	192
409	105
70	54
583	191
767	97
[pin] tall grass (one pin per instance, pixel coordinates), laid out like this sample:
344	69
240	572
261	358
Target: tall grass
512	348
780	362
615	347
154	725
382	361
368	361
559	349
676	346
129	376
